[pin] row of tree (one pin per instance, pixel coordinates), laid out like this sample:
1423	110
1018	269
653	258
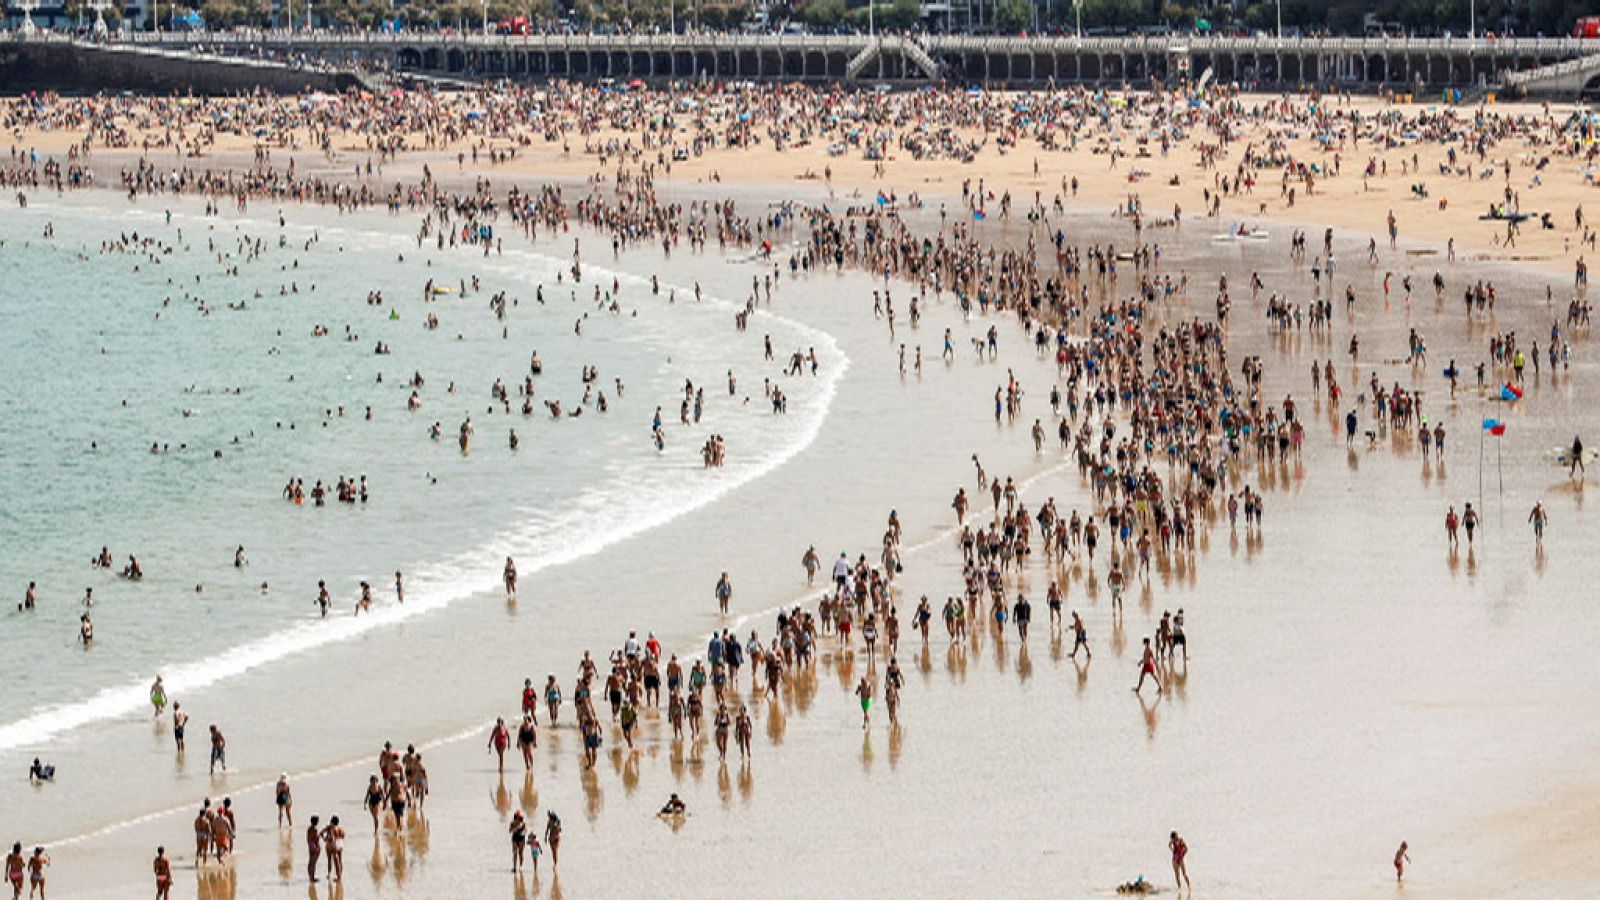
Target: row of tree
1548	17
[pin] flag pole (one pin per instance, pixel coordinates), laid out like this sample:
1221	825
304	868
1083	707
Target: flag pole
1481	439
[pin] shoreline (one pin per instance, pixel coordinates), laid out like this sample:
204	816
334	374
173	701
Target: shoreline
865	428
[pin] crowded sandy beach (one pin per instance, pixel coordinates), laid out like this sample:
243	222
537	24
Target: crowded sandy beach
829	491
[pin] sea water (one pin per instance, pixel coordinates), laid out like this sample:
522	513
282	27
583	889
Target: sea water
198	347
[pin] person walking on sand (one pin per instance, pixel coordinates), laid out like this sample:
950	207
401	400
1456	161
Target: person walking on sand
1147	668
552	837
1401	858
499	740
1538	518
36	866
1576	465
202	834
1180	868
16	865
1080	637
519	840
163	872
864	691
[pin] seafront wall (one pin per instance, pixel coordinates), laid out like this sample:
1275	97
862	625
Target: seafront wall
1405	65
88	68
227	62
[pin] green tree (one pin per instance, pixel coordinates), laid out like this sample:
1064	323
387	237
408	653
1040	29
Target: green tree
902	14
824	13
80	11
1013	16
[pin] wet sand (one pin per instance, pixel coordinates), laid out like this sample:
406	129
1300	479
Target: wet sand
1353	684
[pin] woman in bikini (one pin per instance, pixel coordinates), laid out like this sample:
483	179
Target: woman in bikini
313	848
333	843
163	870
36	866
15	864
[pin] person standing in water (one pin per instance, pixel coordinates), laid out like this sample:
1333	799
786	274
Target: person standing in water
219	750
1401	858
284	799
180	721
864	692
313	848
511	579
333	845
158	696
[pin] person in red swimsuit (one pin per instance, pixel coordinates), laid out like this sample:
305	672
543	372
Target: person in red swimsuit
1180	870
1147	668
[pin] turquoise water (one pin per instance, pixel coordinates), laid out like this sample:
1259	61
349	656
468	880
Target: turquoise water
108	353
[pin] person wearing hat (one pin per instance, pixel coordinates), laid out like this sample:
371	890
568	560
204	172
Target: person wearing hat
285	801
519	839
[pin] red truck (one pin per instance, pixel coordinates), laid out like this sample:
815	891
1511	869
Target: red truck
1587	27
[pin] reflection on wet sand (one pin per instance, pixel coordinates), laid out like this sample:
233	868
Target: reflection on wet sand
217	883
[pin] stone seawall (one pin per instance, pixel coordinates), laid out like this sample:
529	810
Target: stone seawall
83	68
